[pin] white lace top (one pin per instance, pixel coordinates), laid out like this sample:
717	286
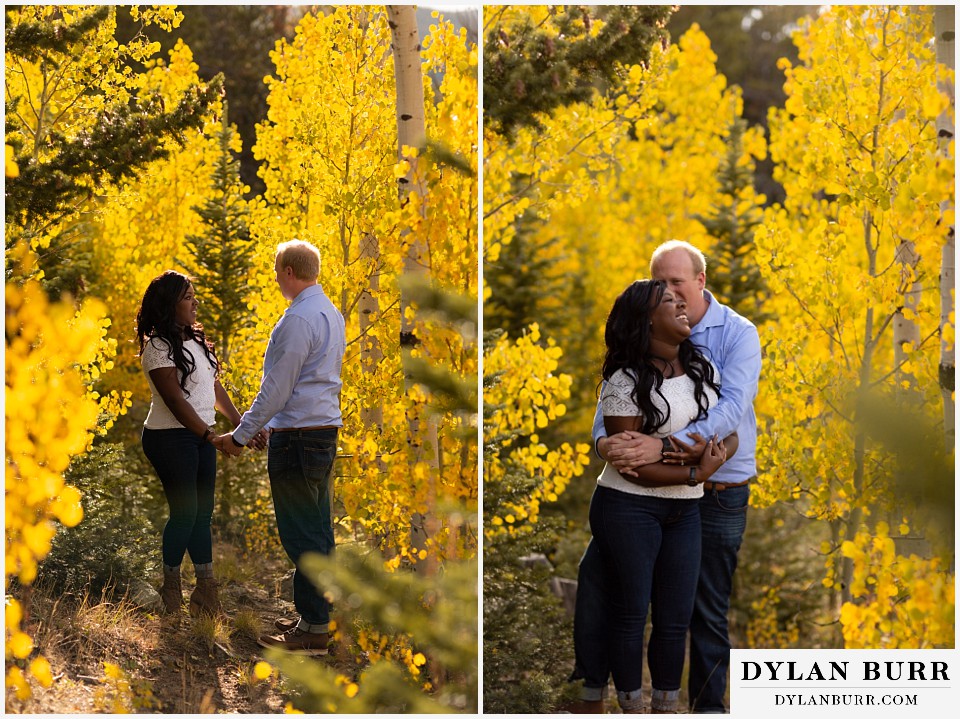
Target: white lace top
200	384
617	402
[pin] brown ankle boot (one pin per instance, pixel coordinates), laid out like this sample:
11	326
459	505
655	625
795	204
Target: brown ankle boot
584	706
204	598
170	592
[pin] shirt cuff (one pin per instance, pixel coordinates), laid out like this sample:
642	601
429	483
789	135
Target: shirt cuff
241	436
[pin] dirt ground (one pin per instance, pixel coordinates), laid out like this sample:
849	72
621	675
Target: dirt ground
201	666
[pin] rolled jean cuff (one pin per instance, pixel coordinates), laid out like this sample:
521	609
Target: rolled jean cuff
593	694
313	628
661	699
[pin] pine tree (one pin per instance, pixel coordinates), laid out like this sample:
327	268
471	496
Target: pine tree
534	67
734	275
520	280
75	121
524	657
222	257
223	254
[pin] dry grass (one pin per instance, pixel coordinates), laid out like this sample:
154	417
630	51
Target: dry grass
246	624
179	665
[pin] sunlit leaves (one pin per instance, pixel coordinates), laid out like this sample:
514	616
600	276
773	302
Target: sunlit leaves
51	415
330	167
856	152
900	602
521	403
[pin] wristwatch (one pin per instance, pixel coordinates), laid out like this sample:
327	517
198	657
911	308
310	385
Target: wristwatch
692	482
667	447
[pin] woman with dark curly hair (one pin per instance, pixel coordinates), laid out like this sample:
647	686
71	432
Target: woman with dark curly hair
182	370
647	527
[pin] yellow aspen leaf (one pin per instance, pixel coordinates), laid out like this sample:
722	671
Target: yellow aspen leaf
18	682
12	612
40	669
11	169
20	645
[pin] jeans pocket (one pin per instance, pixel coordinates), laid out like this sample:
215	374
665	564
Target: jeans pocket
278	453
318	458
732	501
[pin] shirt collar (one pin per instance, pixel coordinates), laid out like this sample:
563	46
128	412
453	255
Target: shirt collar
307	293
713	317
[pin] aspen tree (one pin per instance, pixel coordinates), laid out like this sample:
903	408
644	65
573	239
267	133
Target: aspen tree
944	36
856	153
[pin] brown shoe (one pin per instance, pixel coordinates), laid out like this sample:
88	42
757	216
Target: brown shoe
204	599
583	706
285	624
171	592
297	641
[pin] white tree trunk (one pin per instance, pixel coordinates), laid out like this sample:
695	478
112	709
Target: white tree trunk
944	38
907	331
411	133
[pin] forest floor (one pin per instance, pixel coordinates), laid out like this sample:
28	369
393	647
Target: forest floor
201	666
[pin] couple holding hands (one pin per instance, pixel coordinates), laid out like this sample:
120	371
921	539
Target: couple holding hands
296	414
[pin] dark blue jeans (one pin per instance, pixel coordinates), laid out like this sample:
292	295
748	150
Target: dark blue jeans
187	468
650	553
300	465
723	516
723	522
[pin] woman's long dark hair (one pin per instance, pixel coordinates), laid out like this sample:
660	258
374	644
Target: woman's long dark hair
157	318
628	336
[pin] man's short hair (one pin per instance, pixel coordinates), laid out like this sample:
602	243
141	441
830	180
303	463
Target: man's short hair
696	256
302	257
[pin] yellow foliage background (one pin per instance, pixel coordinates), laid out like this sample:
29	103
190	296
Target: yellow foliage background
329	152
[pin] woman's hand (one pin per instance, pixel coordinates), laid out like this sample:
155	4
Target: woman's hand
685	454
259	440
626	449
714	455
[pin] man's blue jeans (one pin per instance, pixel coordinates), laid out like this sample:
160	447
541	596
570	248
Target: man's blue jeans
723	517
300	465
650	552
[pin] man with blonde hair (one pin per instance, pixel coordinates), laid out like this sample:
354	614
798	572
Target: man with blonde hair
299	402
732	344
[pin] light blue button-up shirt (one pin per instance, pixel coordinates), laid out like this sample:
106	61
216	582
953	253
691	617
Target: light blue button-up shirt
301	369
732	343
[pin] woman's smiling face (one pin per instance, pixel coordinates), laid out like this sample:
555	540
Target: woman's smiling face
186	312
669	319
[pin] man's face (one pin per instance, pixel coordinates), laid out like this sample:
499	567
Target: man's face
676	269
282	274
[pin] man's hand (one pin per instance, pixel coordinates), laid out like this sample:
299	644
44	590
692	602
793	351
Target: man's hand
628	450
225	444
713	458
685	454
